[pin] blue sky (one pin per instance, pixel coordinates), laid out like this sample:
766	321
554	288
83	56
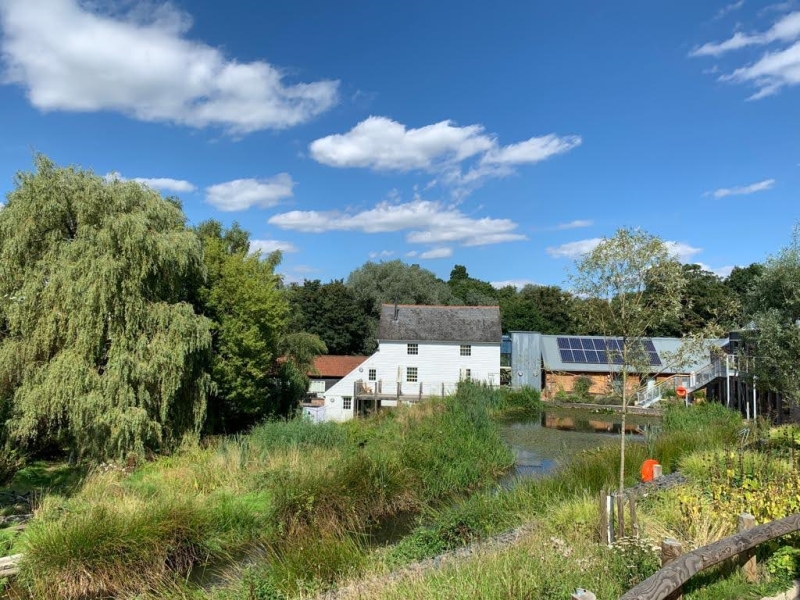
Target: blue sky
506	136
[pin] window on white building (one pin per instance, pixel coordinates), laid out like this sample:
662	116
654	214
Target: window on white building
411	374
466	374
347	403
372	374
465	350
413	348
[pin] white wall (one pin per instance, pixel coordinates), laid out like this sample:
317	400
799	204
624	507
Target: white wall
438	364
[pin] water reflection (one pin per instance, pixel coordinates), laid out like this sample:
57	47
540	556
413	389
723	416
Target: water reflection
540	444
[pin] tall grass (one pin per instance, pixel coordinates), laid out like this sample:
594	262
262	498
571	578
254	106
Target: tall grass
303	492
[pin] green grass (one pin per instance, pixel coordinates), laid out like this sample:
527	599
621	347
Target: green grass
301	496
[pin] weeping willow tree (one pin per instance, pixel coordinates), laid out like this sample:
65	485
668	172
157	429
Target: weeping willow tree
99	349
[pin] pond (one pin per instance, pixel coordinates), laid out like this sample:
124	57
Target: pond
540	443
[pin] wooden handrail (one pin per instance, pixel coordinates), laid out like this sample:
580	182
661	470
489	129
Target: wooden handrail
674	575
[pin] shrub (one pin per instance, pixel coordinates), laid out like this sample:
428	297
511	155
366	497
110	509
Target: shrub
581	387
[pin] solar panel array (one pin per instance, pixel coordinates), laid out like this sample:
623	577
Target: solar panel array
598	351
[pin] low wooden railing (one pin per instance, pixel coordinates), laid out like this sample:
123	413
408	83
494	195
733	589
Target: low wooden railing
667	582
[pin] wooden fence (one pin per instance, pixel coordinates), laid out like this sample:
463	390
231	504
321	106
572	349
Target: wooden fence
679	568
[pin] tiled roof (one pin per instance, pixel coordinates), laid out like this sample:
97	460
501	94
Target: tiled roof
411	322
336	366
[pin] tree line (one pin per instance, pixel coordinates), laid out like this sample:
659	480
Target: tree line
125	330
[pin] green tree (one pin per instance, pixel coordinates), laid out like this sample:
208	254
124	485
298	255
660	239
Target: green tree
705	300
543	308
773	303
741	280
99	348
242	296
332	312
394	282
615	276
470	291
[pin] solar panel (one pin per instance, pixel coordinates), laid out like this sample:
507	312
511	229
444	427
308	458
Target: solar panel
599	351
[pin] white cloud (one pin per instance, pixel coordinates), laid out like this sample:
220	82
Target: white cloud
786	29
771	73
683	252
573	250
461	157
241	194
719	271
517	283
576	224
385	145
267	246
141	63
165	184
381	255
427	222
729	8
531	151
304	269
742	190
441	252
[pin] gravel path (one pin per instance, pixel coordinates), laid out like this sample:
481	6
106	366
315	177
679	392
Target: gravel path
362	587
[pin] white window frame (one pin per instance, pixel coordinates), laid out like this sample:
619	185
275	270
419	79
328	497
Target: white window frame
465	350
372	374
412	349
347	403
409	375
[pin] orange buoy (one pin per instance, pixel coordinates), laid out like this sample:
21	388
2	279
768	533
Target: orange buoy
647	469
681	391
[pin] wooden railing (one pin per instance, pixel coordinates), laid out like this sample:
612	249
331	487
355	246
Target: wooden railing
667	582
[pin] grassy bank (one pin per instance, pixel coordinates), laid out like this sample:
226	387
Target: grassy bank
728	474
296	495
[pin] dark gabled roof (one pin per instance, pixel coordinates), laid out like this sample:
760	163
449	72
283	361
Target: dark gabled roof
410	322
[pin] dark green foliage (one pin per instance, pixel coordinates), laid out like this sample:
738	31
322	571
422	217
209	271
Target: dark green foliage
99	348
581	387
332	312
470	291
241	297
394	282
705	299
546	309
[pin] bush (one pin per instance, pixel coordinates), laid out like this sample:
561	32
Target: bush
581	387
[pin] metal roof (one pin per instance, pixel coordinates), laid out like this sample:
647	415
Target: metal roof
551	358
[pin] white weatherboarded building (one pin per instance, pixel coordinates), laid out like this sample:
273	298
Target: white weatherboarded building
422	351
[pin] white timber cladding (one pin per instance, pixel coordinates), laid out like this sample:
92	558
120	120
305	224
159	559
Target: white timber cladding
438	364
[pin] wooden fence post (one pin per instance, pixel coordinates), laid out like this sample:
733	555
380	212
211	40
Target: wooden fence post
634	520
670	550
748	559
604	518
621	514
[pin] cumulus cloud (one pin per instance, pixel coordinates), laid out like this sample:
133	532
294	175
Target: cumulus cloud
517	283
427	222
573	250
381	255
241	194
141	63
743	190
267	246
719	271
458	156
